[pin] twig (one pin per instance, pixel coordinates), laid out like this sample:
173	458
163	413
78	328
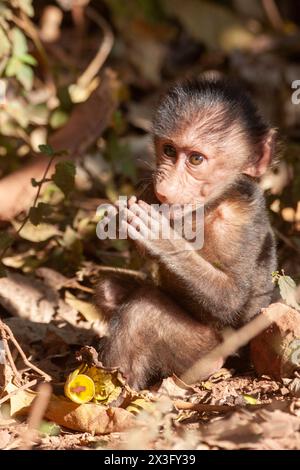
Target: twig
273	14
6	328
79	19
14	392
103	51
43	179
286	240
28	363
127	272
10	358
204	407
71	284
234	341
36	414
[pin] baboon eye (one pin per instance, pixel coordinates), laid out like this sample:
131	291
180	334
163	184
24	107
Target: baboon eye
169	151
196	158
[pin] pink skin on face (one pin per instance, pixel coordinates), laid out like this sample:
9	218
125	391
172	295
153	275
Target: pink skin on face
194	173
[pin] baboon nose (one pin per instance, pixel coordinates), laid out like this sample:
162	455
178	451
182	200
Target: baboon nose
161	197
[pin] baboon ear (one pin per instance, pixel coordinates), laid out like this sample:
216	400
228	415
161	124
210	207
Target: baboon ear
260	167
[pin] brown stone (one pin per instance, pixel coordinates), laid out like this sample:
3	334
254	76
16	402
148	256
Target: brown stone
276	351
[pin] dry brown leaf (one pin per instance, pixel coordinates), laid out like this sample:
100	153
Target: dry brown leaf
20	401
278	424
276	351
85	308
263	429
27	297
294	387
52	278
88	417
175	388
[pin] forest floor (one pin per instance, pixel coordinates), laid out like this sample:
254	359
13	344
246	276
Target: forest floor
233	409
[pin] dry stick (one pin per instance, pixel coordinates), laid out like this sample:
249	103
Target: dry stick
286	240
71	284
204	407
14	392
128	272
273	14
201	407
21	352
234	341
10	358
36	414
103	51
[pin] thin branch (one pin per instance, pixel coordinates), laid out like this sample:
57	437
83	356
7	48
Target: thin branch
10	358
14	392
126	272
103	51
43	180
71	284
273	14
286	240
207	408
29	364
234	341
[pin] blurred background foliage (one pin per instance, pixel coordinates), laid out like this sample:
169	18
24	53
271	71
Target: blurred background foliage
53	59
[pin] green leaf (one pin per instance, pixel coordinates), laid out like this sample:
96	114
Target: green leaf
25	76
12	67
64	176
151	9
5	240
38	214
28	59
19	42
121	157
250	400
49	428
58	118
46	149
287	287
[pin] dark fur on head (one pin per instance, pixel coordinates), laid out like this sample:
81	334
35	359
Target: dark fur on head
216	106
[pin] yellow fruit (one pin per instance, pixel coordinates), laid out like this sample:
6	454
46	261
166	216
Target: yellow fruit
107	388
79	387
